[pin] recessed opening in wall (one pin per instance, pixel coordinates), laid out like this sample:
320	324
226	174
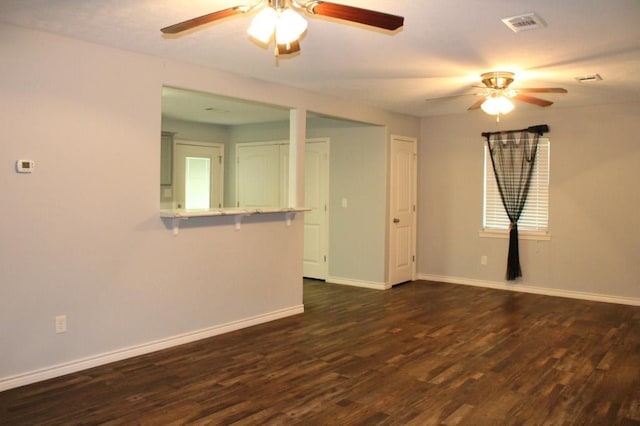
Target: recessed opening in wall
205	130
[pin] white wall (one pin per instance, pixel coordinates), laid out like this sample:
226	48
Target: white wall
81	236
594	250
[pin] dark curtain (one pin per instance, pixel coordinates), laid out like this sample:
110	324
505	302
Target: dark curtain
513	154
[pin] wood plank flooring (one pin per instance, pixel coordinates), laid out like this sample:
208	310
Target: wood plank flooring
422	353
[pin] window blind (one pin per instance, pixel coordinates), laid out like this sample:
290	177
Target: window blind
535	216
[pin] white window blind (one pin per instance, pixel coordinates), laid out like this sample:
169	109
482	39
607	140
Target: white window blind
535	216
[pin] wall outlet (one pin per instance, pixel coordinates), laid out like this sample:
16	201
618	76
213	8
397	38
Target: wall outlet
61	324
483	260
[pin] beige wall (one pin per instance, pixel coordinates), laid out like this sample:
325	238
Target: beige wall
81	236
594	202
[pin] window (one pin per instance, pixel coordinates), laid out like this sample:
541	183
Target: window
534	220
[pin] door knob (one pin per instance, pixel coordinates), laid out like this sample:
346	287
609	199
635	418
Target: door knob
396	220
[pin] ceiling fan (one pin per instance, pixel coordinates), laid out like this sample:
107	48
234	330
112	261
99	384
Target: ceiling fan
496	99
278	19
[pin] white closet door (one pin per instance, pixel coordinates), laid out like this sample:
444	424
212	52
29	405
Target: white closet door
258	176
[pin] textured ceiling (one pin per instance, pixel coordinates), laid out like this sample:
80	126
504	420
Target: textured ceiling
442	49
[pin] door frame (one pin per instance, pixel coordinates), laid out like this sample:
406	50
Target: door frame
326	188
414	195
174	155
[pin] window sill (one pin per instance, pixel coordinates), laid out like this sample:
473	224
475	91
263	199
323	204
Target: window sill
522	235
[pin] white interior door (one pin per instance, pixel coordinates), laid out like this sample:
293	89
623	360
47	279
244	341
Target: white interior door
198	175
402	227
259	175
316	226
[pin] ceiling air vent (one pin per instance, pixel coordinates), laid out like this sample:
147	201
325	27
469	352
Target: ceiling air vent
528	21
588	78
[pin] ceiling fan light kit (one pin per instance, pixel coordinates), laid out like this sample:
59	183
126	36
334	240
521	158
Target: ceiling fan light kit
263	25
495	105
290	26
288	48
498	96
279	18
497	100
286	24
497	79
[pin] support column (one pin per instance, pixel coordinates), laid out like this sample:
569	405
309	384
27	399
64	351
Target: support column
297	140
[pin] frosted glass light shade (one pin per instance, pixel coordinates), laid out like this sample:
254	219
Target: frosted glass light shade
289	27
263	24
497	105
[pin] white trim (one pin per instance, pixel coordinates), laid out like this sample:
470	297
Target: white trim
358	283
522	235
596	297
142	349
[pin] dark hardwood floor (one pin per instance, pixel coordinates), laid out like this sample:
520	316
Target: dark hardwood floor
421	353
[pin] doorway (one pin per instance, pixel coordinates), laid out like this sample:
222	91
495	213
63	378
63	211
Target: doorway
402	209
198	175
316	221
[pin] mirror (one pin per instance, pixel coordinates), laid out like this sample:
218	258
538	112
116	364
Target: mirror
222	152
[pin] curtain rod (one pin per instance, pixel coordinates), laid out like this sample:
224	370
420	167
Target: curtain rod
539	129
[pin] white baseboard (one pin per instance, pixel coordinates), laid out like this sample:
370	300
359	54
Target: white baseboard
533	289
358	283
145	348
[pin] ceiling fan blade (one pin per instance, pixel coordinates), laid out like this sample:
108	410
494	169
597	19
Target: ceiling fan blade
355	14
442	98
533	100
477	104
204	19
541	90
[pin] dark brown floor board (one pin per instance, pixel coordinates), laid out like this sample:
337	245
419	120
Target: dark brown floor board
421	353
